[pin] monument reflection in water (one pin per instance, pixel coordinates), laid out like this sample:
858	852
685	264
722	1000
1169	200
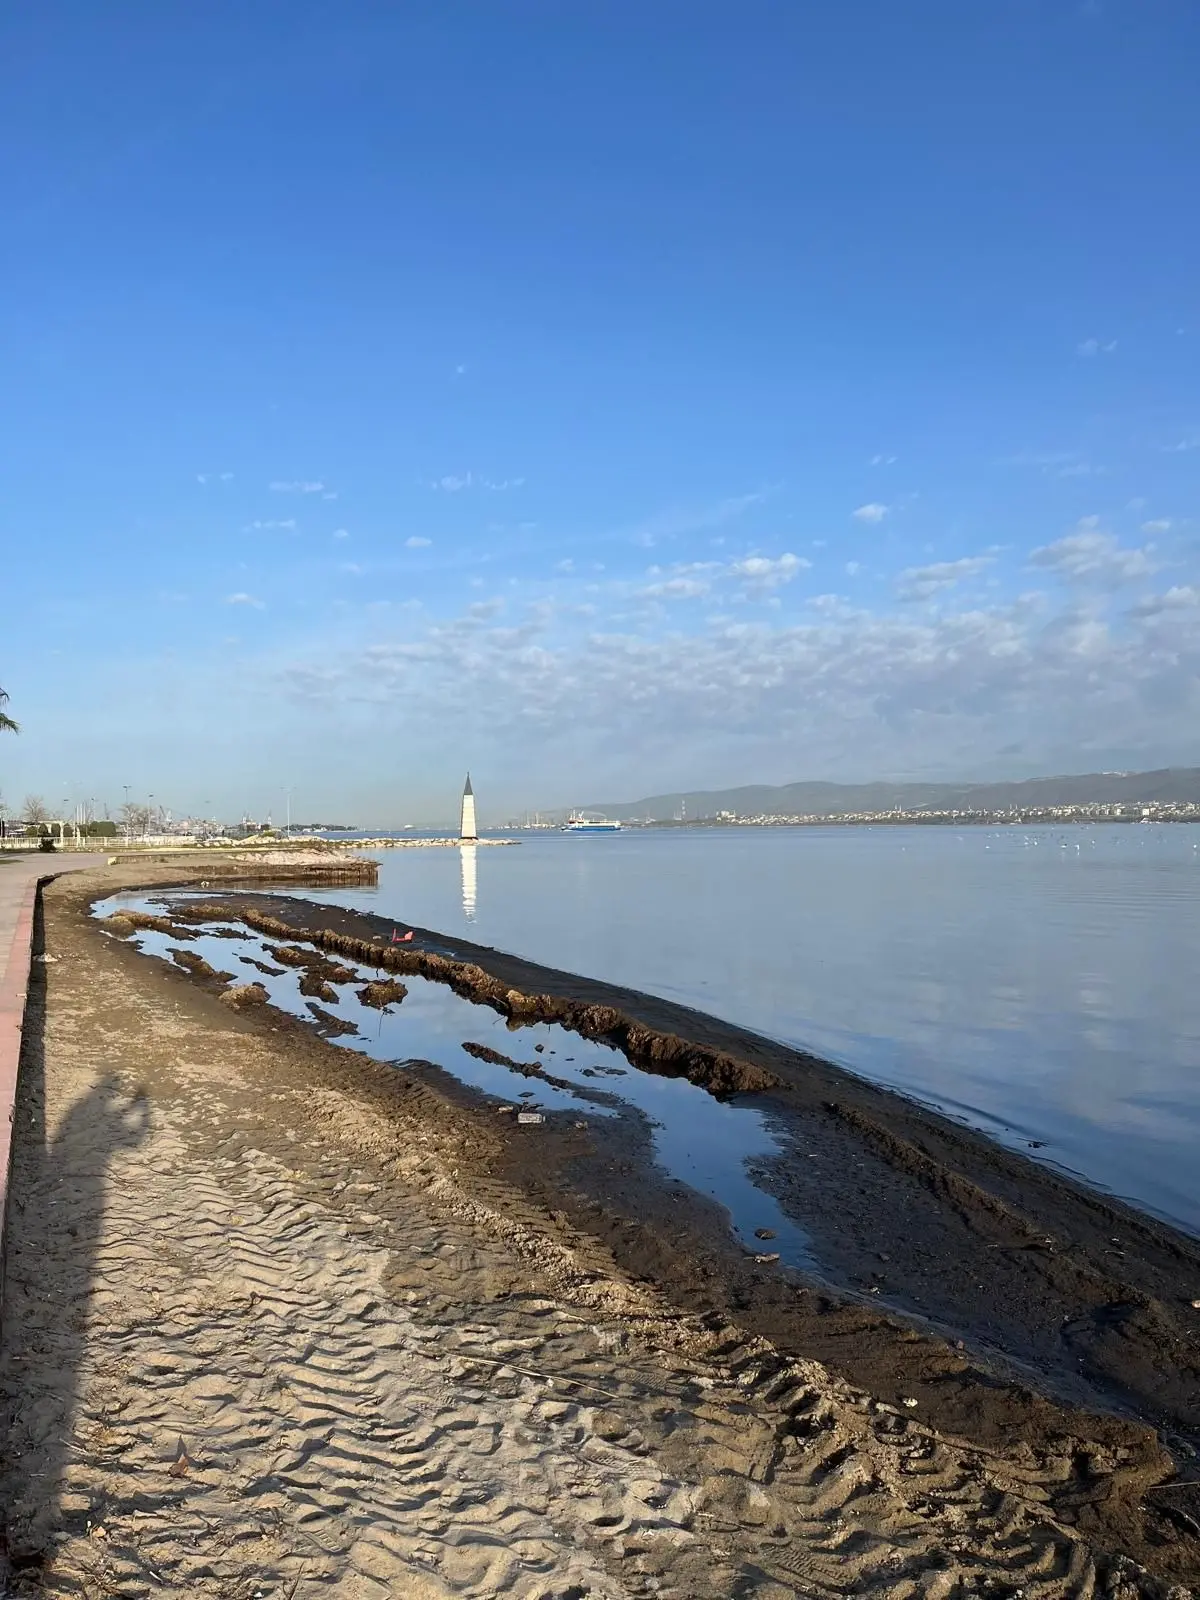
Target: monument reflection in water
468	852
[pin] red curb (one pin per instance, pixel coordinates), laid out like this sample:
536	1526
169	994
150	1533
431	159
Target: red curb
13	986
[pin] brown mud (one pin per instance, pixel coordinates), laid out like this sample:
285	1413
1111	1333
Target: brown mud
982	1303
241	995
380	994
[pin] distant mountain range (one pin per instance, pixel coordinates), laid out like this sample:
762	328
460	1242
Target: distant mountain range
1170	784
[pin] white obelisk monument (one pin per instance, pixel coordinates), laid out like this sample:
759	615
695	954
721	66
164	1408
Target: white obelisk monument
467	829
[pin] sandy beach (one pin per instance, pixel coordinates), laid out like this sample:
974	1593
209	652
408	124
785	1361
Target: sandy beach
283	1320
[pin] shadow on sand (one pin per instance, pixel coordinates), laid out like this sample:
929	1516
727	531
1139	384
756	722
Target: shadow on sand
55	1212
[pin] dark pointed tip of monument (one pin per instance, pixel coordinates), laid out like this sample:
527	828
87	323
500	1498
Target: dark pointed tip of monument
467	789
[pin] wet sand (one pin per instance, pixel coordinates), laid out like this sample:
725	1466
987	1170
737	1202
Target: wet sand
411	1348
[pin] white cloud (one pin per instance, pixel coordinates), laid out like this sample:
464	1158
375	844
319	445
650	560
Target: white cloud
1180	597
341	533
566	565
286	525
417	543
676	589
755	576
1092	558
922	583
948	689
456	482
760	572
853	568
871	512
227	477
202	477
1096	347
352	567
1158	525
833	607
297	486
883	461
686	580
1181	446
241	599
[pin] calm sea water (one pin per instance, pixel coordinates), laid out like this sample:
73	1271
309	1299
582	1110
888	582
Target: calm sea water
1042	984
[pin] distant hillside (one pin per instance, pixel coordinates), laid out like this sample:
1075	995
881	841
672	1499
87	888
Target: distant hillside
836	799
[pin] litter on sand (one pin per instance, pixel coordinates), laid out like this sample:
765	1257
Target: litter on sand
530	1116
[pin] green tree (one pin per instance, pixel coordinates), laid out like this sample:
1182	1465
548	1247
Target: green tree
7	725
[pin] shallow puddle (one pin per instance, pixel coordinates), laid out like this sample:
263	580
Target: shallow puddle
703	1142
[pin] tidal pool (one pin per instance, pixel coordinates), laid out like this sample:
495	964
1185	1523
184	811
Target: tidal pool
705	1143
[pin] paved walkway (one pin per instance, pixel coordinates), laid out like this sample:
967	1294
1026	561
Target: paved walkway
19	875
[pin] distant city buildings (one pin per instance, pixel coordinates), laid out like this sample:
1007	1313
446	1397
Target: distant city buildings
1134	811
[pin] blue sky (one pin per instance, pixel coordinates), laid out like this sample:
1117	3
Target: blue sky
610	397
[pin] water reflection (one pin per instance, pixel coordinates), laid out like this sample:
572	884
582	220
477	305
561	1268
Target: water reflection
1040	982
468	852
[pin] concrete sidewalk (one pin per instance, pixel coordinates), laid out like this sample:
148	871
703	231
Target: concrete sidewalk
19	877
